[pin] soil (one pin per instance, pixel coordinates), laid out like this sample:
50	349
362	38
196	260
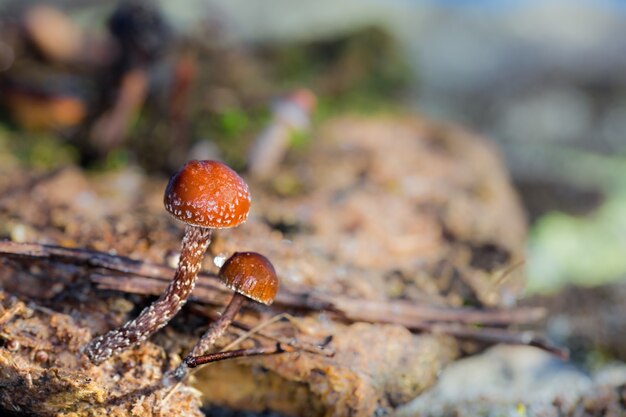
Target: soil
386	208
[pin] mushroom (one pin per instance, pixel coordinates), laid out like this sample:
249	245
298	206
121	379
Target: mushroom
206	195
290	114
250	275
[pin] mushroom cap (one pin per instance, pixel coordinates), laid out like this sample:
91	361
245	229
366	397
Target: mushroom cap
207	194
250	274
304	98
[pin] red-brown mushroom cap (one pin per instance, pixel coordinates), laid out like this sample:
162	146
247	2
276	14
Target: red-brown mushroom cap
207	194
304	98
250	274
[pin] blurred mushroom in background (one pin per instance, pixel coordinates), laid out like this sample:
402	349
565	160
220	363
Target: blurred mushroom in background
290	115
142	37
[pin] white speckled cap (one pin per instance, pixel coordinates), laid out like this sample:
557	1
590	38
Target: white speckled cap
207	194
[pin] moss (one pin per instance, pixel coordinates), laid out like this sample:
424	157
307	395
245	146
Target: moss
37	150
367	61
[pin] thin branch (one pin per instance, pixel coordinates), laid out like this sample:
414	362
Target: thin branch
147	278
495	336
409	314
84	257
352	309
489	335
245	331
195	361
150	279
120	264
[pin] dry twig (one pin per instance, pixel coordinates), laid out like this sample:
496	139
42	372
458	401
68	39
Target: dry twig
133	276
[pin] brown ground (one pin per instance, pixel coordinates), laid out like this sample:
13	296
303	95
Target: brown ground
392	208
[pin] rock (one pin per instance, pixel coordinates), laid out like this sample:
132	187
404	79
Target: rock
513	381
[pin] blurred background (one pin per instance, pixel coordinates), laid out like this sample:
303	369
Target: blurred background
152	84
144	85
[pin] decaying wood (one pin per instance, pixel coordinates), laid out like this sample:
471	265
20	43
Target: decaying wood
412	317
151	279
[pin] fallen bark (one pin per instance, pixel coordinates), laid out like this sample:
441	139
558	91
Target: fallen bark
151	279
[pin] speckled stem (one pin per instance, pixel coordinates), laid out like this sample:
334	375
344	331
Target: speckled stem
219	326
157	315
215	330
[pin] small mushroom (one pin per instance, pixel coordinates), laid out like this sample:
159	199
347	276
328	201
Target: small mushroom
13	345
206	195
290	114
250	275
41	356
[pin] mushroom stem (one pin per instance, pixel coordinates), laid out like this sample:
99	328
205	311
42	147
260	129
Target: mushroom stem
215	330
218	327
157	315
